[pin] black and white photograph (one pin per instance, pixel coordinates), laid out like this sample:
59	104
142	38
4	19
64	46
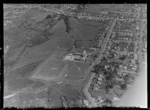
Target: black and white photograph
75	55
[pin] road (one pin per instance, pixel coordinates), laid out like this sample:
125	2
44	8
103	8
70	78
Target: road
9	96
105	42
141	44
80	15
87	94
119	40
130	72
101	52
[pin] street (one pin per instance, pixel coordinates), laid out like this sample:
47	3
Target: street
87	94
105	42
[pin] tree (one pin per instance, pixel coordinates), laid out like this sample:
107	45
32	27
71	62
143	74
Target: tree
96	68
123	57
107	102
123	86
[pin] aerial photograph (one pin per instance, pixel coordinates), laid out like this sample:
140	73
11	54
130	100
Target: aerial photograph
75	55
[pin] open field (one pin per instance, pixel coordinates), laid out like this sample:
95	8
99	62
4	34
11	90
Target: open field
77	84
44	48
58	54
53	67
83	44
33	57
37	85
94	23
39	52
96	8
41	64
56	91
78	70
24	63
65	42
50	70
82	32
51	77
18	84
23	72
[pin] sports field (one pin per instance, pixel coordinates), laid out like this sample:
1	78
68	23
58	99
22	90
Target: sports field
56	69
53	67
50	70
78	71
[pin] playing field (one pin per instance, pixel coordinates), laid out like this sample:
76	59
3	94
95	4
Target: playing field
53	67
78	71
50	70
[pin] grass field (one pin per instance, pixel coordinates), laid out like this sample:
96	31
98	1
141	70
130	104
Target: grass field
53	66
58	54
18	84
98	7
37	85
82	32
50	70
23	72
65	42
56	69
78	71
83	43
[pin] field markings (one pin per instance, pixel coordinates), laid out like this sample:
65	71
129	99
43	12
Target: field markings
9	96
79	69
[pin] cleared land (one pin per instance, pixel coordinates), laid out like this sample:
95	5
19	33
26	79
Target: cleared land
82	32
98	8
78	71
33	57
23	72
65	42
50	70
37	85
18	84
54	68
